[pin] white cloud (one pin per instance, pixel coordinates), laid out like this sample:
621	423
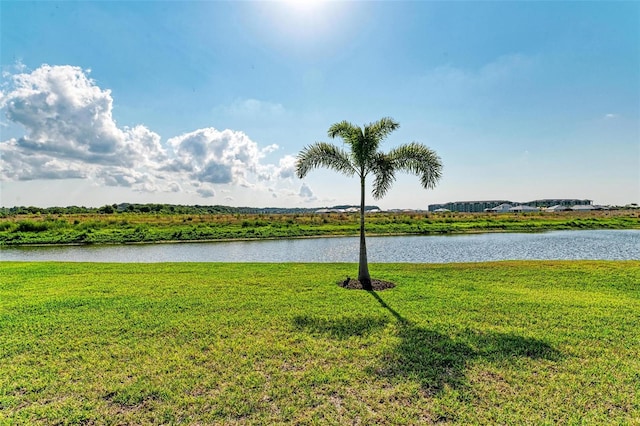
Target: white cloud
16	166
254	108
70	133
610	116
214	156
286	167
206	192
492	73
67	116
306	193
283	171
455	84
128	178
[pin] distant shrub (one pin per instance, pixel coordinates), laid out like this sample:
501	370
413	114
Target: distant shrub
4	226
91	225
32	226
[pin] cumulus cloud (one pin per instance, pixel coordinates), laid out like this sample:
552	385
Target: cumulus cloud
284	170
17	166
206	192
70	133
174	187
67	116
286	167
219	157
306	193
130	178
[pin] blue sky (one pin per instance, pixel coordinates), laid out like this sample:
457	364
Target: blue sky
209	102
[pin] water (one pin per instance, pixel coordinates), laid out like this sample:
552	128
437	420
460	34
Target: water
558	245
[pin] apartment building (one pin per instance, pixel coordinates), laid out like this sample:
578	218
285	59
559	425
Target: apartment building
481	206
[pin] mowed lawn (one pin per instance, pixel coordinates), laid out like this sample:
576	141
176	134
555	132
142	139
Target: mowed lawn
506	342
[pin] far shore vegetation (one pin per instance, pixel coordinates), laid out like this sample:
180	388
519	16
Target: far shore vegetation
51	226
517	342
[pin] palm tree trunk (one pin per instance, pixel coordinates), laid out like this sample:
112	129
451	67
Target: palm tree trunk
363	266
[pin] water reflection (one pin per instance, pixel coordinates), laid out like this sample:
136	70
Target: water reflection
602	244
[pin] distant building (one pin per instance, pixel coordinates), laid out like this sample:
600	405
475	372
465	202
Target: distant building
557	208
468	206
523	208
583	208
330	211
481	206
502	208
567	202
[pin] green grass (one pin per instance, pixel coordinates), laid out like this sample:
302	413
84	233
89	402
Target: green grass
507	343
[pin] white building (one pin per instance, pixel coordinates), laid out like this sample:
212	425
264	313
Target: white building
502	208
582	208
523	209
557	208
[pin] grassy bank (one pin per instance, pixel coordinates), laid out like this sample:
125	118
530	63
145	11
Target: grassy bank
507	343
148	227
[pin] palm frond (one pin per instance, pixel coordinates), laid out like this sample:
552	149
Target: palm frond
344	130
380	129
322	154
353	136
383	169
420	160
373	134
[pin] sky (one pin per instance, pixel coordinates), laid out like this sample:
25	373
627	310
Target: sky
209	102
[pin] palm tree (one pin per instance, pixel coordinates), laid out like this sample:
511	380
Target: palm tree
364	159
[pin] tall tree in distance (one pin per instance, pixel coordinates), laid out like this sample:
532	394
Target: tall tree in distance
363	159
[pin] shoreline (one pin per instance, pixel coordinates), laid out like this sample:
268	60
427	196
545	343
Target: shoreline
309	237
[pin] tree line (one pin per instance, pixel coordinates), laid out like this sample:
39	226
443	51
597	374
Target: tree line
154	208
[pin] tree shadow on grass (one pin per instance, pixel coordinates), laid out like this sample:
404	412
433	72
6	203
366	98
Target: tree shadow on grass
433	359
340	328
437	360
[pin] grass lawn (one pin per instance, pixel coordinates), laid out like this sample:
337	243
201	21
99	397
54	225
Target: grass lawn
507	342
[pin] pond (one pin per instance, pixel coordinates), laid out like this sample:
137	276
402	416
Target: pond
557	245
